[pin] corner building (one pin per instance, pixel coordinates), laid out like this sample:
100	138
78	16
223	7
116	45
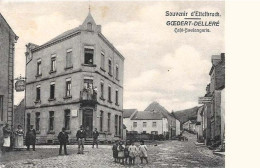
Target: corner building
75	79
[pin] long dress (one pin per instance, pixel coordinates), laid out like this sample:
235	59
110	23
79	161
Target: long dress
143	151
7	137
18	143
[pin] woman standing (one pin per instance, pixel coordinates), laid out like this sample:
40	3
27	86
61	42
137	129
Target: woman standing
7	137
18	143
120	150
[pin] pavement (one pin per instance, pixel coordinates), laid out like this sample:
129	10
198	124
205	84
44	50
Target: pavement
166	154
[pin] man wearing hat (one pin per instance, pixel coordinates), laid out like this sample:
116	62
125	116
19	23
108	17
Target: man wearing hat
30	138
81	137
63	139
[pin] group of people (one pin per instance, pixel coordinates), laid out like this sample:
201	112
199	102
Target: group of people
14	139
127	154
81	137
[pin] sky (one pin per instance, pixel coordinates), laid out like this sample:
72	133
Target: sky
160	65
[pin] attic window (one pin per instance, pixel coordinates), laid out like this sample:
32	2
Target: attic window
89	26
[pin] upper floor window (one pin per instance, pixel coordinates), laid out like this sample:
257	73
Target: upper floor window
117	72
109	67
52	90
109	93
88	55
134	124
68	87
69	58
144	124
154	124
102	60
89	26
116	97
39	67
38	93
102	89
53	63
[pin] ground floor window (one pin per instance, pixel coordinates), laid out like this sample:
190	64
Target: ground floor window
116	124
51	120
37	121
67	119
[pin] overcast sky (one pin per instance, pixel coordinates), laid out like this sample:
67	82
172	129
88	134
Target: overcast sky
160	65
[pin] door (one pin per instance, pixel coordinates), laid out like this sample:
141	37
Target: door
87	122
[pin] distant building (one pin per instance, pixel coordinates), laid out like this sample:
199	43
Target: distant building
148	122
172	126
200	124
7	48
127	115
61	76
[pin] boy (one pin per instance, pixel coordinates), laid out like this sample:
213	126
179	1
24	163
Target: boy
132	153
81	137
143	152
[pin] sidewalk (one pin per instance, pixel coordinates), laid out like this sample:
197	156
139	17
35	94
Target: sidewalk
68	146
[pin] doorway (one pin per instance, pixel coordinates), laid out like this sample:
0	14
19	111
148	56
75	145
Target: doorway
87	122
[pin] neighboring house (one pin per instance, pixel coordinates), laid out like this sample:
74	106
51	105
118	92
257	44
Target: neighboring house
199	124
7	48
217	84
149	122
156	107
186	125
60	79
19	114
178	127
127	115
192	126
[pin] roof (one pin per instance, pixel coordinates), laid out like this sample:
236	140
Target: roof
187	114
76	30
156	107
147	115
128	112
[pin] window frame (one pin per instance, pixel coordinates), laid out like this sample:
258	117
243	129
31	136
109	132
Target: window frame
101	117
67	119
69	63
67	88
134	124
38	93
51	120
52	93
91	51
53	63
39	67
154	124
37	121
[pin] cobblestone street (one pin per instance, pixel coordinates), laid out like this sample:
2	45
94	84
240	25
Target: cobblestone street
166	154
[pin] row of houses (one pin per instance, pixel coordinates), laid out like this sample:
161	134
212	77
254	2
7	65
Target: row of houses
155	119
209	124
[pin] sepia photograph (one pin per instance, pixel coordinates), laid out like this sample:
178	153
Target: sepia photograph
112	84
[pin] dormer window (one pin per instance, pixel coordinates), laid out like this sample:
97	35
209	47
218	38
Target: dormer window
89	26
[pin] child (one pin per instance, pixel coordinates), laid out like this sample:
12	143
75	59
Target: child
115	152
120	150
132	153
143	152
126	152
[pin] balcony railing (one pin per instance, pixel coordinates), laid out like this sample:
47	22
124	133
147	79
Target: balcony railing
88	97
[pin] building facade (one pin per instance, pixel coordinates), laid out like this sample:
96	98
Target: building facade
148	122
75	79
7	48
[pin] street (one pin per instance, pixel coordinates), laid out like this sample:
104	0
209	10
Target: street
165	154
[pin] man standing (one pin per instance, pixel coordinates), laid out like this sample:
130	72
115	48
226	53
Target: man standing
81	137
95	138
30	138
63	139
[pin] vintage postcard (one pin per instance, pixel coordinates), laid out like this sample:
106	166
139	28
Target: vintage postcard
112	83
